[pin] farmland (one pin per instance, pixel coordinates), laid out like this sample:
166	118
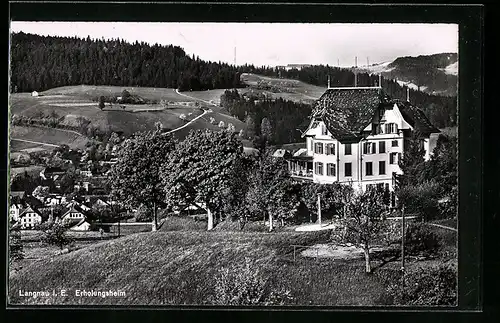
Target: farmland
45	135
73	103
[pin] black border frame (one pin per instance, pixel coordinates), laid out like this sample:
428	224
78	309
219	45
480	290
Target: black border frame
471	32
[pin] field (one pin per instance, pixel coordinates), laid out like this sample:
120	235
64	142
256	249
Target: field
73	102
45	135
181	264
298	90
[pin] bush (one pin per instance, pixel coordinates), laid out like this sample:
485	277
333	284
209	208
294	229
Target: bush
242	284
144	214
448	209
421	199
432	286
421	240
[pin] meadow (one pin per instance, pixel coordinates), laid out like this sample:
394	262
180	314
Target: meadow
181	264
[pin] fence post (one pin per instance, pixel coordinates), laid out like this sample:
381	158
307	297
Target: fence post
294	253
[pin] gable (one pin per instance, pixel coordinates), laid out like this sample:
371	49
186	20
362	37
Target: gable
347	111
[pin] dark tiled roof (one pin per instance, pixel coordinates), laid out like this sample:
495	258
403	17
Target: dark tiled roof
346	112
416	117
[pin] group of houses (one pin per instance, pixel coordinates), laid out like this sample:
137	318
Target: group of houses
356	136
28	211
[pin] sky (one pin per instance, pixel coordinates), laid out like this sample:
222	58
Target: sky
271	44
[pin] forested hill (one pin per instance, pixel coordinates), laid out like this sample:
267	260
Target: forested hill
43	62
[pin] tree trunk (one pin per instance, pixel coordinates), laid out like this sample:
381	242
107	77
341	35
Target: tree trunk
154	224
270	222
367	260
210	220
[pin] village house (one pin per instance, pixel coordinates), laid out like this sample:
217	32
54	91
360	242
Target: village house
357	136
30	217
15	210
74	214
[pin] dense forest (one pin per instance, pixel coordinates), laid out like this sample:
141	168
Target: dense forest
278	119
43	62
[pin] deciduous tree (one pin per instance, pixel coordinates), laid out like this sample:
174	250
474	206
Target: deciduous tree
203	170
363	223
135	178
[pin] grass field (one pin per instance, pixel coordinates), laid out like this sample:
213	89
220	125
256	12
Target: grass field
45	135
181	263
303	90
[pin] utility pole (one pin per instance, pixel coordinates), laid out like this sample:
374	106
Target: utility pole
319	210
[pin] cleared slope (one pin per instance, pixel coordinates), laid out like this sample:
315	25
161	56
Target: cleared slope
182	267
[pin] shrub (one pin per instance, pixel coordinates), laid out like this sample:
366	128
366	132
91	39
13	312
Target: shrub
421	199
144	214
56	235
448	209
420	239
243	284
432	286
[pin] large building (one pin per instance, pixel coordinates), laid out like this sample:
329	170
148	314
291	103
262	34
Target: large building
357	136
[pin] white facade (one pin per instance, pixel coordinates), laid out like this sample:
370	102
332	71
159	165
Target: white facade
15	211
371	161
81	226
29	218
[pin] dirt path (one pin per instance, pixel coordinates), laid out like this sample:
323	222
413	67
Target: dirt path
35	142
190	122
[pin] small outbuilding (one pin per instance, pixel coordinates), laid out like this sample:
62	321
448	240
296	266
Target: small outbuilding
34	93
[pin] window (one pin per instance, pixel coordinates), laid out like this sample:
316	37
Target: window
393	158
369	168
391	128
369	148
347	149
330	169
324	132
348	170
395	143
318	168
381	147
330	149
381	167
318	148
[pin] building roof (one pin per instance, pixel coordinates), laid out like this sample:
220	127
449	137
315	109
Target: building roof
281	153
30	209
19	194
415	117
347	111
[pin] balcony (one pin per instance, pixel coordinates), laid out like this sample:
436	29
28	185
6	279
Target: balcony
302	174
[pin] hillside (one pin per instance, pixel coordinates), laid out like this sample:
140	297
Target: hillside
74	105
184	268
433	74
43	62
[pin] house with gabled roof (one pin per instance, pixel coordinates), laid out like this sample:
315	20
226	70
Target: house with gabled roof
357	135
30	217
74	214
